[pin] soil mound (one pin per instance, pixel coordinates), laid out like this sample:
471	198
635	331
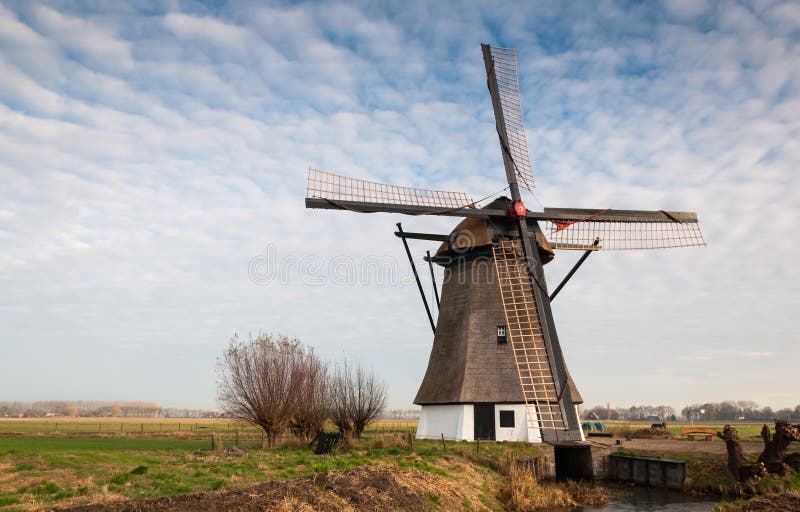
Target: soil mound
649	433
369	488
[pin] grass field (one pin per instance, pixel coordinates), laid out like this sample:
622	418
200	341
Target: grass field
205	426
63	460
39	471
747	430
150	426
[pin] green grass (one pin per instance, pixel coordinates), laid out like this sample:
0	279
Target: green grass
433	501
8	499
50	470
158	426
72	426
33	445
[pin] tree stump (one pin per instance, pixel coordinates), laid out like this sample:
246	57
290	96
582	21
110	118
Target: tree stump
793	461
774	455
737	463
773	458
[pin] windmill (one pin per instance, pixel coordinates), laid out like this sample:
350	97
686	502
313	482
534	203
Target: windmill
496	369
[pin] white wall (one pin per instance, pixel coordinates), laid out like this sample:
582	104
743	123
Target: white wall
521	430
456	422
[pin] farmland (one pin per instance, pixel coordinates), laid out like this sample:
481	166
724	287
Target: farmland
156	426
73	461
41	467
204	426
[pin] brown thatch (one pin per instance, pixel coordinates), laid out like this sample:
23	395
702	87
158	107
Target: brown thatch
466	364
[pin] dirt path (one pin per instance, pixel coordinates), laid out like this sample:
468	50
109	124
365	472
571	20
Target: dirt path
671	445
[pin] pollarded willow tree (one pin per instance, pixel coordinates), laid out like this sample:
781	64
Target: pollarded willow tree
314	402
357	398
774	459
264	380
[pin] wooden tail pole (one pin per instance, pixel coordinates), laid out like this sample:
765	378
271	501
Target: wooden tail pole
416	276
433	278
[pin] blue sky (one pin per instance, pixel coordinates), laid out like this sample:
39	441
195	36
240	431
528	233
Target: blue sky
150	152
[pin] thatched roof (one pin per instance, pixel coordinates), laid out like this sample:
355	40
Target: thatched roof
466	364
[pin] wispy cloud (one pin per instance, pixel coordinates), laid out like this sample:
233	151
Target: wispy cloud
147	155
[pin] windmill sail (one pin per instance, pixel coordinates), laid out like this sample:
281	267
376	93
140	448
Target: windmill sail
337	189
504	79
620	230
536	376
558	419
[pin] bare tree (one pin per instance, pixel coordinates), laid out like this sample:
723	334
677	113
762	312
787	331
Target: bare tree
357	398
314	404
261	381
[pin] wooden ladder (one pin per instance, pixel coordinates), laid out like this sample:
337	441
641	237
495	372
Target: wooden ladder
525	333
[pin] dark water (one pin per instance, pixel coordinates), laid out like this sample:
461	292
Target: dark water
653	500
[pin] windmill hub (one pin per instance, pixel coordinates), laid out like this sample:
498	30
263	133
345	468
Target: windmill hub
518	210
496	369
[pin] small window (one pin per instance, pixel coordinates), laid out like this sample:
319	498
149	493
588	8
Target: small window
507	419
501	334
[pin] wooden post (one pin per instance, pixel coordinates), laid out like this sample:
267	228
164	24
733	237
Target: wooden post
141	427
444	446
237	437
216	443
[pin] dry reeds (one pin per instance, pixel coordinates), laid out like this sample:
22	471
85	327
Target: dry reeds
521	492
383	441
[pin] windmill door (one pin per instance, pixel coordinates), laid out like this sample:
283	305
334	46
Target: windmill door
484	422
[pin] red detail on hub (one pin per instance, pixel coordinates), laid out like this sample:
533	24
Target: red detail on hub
518	210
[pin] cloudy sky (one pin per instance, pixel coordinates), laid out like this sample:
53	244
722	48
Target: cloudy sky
151	153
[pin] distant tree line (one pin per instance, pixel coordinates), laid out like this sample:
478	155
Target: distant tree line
279	384
632	413
97	409
744	410
400	414
78	408
741	410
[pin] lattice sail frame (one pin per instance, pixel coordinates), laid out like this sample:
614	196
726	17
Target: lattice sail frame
505	70
622	235
335	187
525	331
